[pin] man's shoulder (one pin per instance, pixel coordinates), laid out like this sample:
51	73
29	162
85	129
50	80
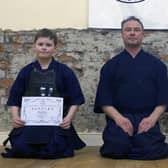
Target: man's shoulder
114	59
150	55
154	59
112	63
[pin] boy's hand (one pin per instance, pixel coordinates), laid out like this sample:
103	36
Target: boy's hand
17	122
66	124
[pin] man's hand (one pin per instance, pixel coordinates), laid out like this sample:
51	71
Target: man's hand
146	124
119	119
150	121
125	124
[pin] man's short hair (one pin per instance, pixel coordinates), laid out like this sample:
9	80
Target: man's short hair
132	18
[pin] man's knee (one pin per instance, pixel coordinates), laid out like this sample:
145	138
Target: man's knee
115	149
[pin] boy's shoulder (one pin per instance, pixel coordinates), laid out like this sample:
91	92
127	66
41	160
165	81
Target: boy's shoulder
58	66
27	67
61	66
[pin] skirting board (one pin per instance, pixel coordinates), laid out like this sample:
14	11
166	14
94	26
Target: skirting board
91	139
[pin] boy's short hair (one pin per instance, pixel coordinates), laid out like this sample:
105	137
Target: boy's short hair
46	33
132	18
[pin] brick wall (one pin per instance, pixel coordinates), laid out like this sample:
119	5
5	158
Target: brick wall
85	51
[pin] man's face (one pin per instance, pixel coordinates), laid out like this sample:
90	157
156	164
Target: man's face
132	34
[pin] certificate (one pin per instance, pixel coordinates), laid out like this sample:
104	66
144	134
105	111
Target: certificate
42	111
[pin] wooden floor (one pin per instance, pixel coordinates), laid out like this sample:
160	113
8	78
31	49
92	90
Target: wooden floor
86	158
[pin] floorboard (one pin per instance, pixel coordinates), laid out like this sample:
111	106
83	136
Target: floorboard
86	158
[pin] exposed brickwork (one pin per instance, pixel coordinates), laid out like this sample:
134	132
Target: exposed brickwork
5	83
85	51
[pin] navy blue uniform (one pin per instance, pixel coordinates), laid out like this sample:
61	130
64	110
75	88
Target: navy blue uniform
134	86
45	141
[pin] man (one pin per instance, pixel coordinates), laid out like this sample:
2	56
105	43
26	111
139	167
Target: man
133	93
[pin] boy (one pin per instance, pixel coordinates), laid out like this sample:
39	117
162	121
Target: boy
47	142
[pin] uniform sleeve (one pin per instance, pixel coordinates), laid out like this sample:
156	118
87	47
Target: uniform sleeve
72	89
17	90
162	86
104	95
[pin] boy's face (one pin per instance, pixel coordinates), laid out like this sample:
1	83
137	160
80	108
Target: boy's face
44	47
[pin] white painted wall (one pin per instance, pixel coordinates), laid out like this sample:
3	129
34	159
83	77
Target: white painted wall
35	14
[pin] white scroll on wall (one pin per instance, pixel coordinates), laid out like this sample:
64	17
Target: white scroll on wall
108	14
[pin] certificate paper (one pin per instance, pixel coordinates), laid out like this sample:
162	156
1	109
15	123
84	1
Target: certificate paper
42	111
